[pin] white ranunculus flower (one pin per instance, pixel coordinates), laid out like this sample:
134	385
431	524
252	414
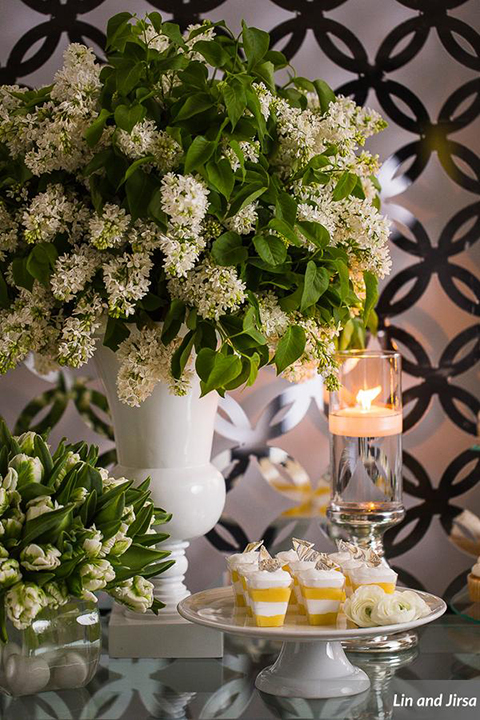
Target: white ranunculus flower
23	602
413	598
26	442
392	609
136	593
95	575
4	500
40	557
10	480
92	544
359	606
41	505
29	469
9	573
56	593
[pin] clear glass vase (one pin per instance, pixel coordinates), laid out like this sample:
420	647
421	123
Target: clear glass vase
59	651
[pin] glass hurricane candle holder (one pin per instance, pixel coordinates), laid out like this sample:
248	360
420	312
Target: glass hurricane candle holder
365	422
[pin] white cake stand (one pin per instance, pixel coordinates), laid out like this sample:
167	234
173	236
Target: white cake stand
311	663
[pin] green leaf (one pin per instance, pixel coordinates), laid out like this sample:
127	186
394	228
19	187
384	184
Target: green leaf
270	248
181	354
228	250
4	299
128	76
173	320
127	117
139	188
115	333
3	623
314	232
44	524
316	282
244	197
290	347
42	451
199	152
344	277
284	229
94	132
193	105
255	43
220	175
325	94
235	101
33	490
115	26
213	52
371	294
286	208
235	145
216	370
20	273
111	512
41	260
265	71
344	186
137	556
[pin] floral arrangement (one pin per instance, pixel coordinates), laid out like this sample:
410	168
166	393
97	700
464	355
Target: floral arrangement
370	606
68	529
182	205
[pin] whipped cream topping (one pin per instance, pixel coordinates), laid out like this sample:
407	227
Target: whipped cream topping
286	557
365	574
312	577
476	568
263	579
240	558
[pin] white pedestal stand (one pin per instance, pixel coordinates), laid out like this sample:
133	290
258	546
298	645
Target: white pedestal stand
169	439
312	663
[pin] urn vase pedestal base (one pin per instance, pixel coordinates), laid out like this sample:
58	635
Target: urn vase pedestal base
168	439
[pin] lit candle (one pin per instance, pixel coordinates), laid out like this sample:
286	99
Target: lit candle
365	419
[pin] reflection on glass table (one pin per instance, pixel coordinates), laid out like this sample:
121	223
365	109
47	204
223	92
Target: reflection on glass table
123	689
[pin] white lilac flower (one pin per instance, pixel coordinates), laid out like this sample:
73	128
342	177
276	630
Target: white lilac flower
56	593
40	557
213	290
274	320
145	236
77	339
49	213
206	35
72	272
92	542
184	199
94	576
156	41
126	281
23	602
9	230
78	82
244	221
29	469
145	139
14	128
298	133
348	123
24	326
318	356
41	505
181	247
145	361
249	148
9	573
265	98
110	229
136	593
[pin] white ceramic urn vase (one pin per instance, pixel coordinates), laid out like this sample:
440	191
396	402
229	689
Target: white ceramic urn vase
169	439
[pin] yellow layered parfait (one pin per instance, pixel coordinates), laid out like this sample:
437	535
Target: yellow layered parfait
380	575
269	592
322	592
288	558
235	563
296	568
346	566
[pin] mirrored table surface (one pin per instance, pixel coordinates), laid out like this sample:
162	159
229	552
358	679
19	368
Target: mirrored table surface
444	667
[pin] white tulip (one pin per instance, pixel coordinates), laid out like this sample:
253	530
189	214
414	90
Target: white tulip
4	500
10	480
23	602
29	469
95	575
26	442
9	573
92	543
136	593
56	593
40	557
41	505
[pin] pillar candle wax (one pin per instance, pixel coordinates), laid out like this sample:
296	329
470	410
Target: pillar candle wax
375	421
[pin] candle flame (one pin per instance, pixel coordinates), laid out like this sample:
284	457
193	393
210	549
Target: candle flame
365	397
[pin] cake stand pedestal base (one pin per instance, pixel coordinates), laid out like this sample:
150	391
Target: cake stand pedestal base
382	643
315	669
168	636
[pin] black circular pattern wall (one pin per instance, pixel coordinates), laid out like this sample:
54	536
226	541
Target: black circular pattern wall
418	62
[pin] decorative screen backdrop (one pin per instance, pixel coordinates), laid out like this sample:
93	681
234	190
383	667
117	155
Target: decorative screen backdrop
417	62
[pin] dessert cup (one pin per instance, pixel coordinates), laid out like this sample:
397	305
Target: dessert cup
322	592
269	593
380	575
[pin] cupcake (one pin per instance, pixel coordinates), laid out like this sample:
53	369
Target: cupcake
269	590
322	589
248	557
474	582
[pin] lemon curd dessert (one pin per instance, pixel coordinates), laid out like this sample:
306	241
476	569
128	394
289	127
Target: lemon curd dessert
269	590
236	562
290	559
322	588
373	572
